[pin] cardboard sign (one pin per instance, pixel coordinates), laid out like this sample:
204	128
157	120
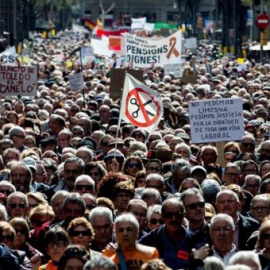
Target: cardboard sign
175	68
189	76
76	81
18	80
216	120
117	80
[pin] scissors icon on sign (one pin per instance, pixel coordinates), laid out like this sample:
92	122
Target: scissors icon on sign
134	101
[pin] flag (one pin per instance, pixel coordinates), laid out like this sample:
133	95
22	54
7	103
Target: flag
89	24
141	106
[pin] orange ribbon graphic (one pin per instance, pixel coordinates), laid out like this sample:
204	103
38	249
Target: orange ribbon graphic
172	49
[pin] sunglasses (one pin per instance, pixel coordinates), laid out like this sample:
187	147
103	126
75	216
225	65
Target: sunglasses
90	206
21	231
14	205
154	221
170	215
82	233
248	144
8	237
134	165
6	191
154	169
194	206
86	187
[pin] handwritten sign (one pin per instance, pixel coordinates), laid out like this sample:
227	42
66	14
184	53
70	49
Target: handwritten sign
18	80
76	81
216	120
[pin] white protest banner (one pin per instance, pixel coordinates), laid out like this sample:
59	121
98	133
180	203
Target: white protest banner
144	52
216	120
18	80
138	23
101	46
175	68
76	81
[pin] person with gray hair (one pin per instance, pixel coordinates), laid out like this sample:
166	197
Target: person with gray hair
210	188
101	219
194	203
181	169
222	230
128	250
84	184
17	205
260	207
248	258
21	177
73	167
17	135
228	202
100	263
151	196
252	183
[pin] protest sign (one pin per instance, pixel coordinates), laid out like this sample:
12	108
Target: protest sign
189	76
18	80
216	120
117	80
174	68
76	81
144	52
101	46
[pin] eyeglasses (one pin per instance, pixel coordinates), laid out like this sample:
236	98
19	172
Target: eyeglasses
78	233
154	169
8	237
170	215
74	252
134	165
219	229
265	236
250	171
194	206
20	175
57	244
260	208
71	171
21	231
253	186
248	144
14	205
123	195
232	174
154	221
138	135
86	187
6	191
20	136
104	227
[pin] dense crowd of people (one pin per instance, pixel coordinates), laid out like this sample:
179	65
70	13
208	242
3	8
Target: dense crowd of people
81	190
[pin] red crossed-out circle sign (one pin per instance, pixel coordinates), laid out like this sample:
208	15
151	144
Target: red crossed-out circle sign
262	21
136	106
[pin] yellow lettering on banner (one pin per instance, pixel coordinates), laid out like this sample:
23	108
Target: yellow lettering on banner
172	49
